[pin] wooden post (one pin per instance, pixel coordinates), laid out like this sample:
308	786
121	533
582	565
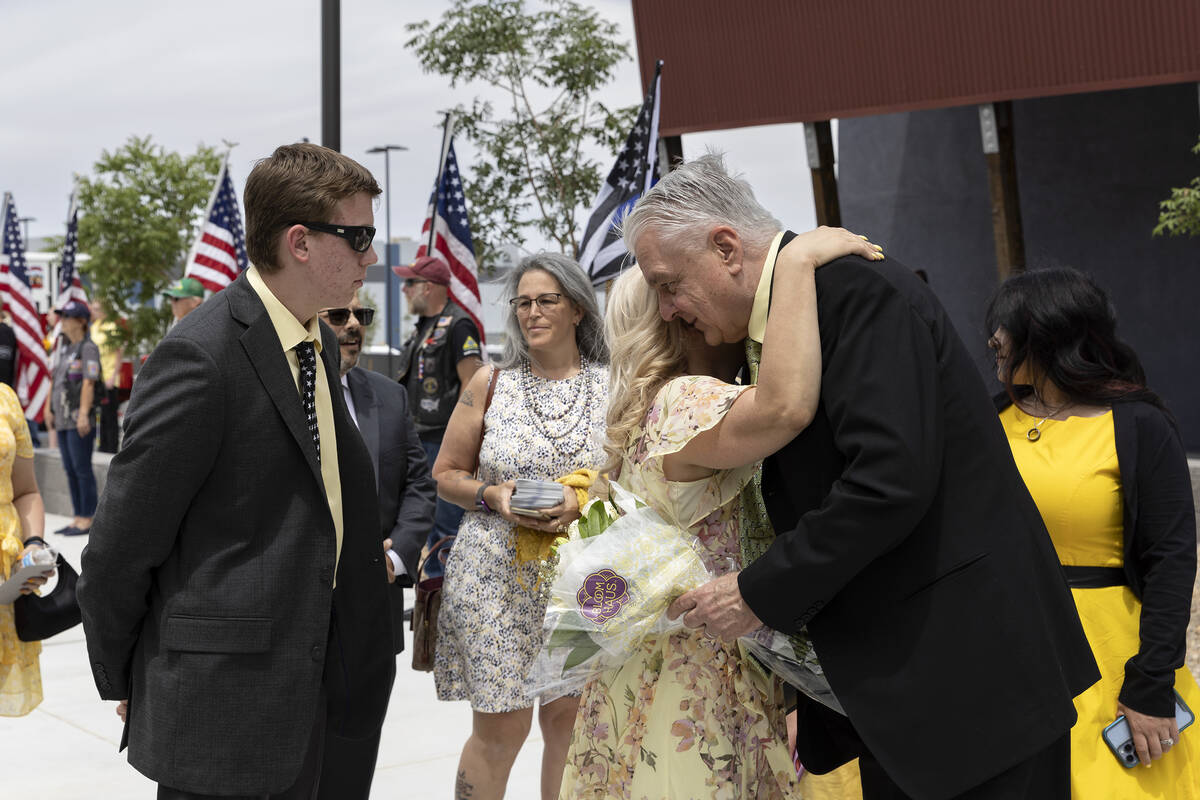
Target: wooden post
818	137
995	122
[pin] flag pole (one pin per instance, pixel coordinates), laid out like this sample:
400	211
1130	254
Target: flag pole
447	134
56	275
3	222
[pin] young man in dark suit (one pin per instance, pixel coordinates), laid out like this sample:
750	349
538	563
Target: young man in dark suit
234	593
406	501
907	545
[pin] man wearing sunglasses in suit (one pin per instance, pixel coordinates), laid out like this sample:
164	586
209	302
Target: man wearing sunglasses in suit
234	601
437	361
406	501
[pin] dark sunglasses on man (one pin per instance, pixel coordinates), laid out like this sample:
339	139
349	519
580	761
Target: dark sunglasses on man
340	316
359	236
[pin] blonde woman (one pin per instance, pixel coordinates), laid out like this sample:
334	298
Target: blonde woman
689	716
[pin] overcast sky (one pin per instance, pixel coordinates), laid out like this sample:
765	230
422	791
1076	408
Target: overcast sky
79	77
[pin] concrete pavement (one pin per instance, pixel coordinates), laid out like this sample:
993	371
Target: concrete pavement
68	745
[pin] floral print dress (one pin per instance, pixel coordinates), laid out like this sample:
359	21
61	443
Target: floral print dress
687	717
490	624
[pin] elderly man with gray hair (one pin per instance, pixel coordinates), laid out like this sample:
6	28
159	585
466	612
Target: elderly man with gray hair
906	544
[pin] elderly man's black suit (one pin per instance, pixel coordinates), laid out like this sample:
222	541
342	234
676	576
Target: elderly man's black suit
208	589
407	495
910	548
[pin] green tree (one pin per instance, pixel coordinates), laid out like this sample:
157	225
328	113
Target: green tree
138	216
533	172
1179	214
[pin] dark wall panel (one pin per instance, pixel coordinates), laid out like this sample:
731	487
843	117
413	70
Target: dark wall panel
1091	168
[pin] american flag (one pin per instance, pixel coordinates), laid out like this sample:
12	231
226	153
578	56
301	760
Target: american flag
447	227
33	372
220	253
69	286
602	253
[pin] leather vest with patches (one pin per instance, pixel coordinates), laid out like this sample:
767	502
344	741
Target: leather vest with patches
429	371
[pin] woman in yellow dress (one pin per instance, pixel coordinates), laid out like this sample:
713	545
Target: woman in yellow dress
22	518
1104	462
687	716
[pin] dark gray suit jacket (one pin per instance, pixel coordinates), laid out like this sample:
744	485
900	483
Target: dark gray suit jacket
407	492
208	582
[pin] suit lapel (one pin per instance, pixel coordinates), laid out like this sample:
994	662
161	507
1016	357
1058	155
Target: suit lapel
359	498
367	412
261	343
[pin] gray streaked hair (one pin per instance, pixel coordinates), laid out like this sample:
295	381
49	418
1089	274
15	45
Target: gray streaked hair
589	334
695	197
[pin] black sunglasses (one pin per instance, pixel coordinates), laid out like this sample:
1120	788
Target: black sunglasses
359	236
340	316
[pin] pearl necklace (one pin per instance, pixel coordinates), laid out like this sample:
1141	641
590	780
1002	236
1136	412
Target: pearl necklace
573	410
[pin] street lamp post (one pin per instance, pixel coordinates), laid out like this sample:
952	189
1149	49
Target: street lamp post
25	223
389	276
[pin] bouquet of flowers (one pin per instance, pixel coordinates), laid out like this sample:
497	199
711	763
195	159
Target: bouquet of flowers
614	575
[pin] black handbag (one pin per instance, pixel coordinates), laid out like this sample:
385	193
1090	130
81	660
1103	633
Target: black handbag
40	617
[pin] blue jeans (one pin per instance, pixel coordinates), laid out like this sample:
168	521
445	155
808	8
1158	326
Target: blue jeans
77	463
446	518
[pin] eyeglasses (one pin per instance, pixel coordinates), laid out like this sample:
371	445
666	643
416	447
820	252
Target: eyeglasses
359	236
411	282
545	302
340	316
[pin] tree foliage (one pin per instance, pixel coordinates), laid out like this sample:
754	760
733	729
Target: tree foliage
533	173
1179	214
138	215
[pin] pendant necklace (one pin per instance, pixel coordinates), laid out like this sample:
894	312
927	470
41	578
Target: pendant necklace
1035	433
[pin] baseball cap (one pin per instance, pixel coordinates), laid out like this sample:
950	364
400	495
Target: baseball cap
185	287
75	309
426	268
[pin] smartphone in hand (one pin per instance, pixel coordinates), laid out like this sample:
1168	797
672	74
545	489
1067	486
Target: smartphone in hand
1120	741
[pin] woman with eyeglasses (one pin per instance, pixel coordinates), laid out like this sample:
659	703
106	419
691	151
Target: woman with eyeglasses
1104	462
538	414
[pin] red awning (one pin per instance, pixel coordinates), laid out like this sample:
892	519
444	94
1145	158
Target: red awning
757	62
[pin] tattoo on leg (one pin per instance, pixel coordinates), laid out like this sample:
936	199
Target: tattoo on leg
467	398
462	789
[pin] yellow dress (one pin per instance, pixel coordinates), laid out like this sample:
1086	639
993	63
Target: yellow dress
1073	476
20	677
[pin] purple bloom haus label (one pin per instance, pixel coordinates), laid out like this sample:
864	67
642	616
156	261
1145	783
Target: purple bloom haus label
602	596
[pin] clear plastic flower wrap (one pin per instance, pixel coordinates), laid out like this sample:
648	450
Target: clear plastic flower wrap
614	576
